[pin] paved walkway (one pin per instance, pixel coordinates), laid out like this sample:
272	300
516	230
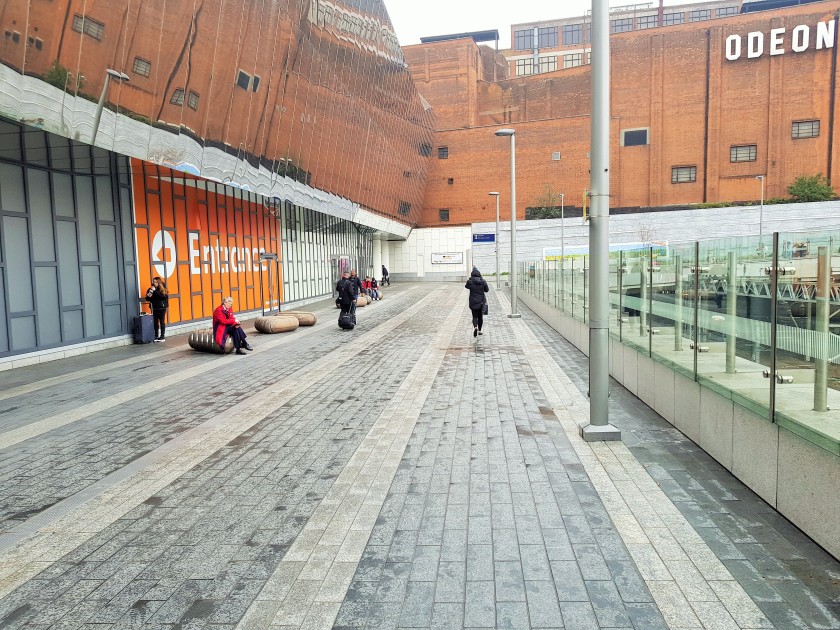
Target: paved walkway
402	475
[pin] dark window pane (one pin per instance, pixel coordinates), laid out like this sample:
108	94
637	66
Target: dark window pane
635	138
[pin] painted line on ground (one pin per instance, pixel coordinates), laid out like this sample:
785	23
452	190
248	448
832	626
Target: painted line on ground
689	583
311	581
36	544
40	427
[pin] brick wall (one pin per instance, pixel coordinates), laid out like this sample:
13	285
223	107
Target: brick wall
674	81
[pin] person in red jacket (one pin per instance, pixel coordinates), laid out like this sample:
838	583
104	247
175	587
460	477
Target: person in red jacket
226	325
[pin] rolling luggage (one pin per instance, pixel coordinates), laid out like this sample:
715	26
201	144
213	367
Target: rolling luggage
347	321
143	329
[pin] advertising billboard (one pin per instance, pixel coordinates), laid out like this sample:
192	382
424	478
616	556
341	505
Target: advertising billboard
206	241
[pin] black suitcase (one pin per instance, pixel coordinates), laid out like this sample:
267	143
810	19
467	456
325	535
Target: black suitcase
143	329
347	321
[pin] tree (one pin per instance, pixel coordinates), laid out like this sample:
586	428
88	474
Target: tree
816	188
548	205
60	77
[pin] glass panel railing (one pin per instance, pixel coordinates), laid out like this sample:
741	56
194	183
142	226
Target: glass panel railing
615	302
672	318
713	310
634	300
733	333
807	377
584	316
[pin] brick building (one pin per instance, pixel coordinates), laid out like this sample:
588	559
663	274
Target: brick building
699	110
550	45
275	82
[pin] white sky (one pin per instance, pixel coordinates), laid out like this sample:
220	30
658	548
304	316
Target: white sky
414	19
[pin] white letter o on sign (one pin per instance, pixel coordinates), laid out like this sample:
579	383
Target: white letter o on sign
733	47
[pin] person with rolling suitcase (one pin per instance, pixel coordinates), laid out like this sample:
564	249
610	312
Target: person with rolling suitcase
346	298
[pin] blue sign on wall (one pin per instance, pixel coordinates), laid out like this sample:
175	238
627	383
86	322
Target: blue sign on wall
484	238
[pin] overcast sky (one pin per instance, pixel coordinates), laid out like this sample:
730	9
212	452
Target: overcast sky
414	19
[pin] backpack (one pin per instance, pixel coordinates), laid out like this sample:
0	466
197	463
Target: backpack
347	291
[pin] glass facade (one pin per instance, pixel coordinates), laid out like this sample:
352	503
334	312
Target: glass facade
754	318
317	248
294	97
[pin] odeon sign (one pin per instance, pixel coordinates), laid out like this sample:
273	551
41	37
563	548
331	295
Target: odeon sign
778	42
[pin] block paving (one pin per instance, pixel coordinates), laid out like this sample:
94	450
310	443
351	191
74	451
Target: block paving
401	475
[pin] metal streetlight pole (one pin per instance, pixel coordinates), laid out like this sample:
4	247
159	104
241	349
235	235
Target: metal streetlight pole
119	76
761	217
513	305
498	273
599	427
562	246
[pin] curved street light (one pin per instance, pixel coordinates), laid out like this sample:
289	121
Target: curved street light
122	77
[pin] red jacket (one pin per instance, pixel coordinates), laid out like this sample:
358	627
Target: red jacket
366	284
222	318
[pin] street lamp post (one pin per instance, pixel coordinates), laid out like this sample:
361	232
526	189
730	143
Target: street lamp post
562	250
119	76
511	134
498	274
761	217
599	427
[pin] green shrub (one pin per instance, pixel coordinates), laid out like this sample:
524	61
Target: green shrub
60	77
816	188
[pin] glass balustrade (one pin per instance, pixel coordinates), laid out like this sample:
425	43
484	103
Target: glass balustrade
756	319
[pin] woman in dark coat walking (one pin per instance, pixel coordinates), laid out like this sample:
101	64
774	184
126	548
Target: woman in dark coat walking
478	287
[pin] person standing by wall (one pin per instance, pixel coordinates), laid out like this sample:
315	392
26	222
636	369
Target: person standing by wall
158	297
478	287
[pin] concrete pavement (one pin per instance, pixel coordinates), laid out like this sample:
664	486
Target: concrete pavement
402	475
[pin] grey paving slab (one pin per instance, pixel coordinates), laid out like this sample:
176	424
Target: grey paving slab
510	530
737	524
490	520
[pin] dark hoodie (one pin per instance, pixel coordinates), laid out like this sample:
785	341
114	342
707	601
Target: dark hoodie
478	287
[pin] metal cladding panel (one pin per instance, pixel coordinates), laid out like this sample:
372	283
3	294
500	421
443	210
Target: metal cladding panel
310	102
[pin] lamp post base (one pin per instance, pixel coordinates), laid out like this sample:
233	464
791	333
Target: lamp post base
593	433
514	315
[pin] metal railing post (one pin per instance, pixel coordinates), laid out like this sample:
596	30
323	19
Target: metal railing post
821	331
774	305
678	302
731	310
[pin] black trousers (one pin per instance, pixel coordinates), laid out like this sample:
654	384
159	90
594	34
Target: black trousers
478	316
238	335
159	315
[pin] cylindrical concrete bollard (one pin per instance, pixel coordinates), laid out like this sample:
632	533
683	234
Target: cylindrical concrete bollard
203	341
276	324
304	318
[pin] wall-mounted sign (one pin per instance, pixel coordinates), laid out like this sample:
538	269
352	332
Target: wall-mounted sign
779	41
448	259
484	238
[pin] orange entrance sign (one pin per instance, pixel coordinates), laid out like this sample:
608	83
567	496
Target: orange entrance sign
206	241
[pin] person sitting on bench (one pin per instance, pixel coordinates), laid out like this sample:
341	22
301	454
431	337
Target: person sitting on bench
226	325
